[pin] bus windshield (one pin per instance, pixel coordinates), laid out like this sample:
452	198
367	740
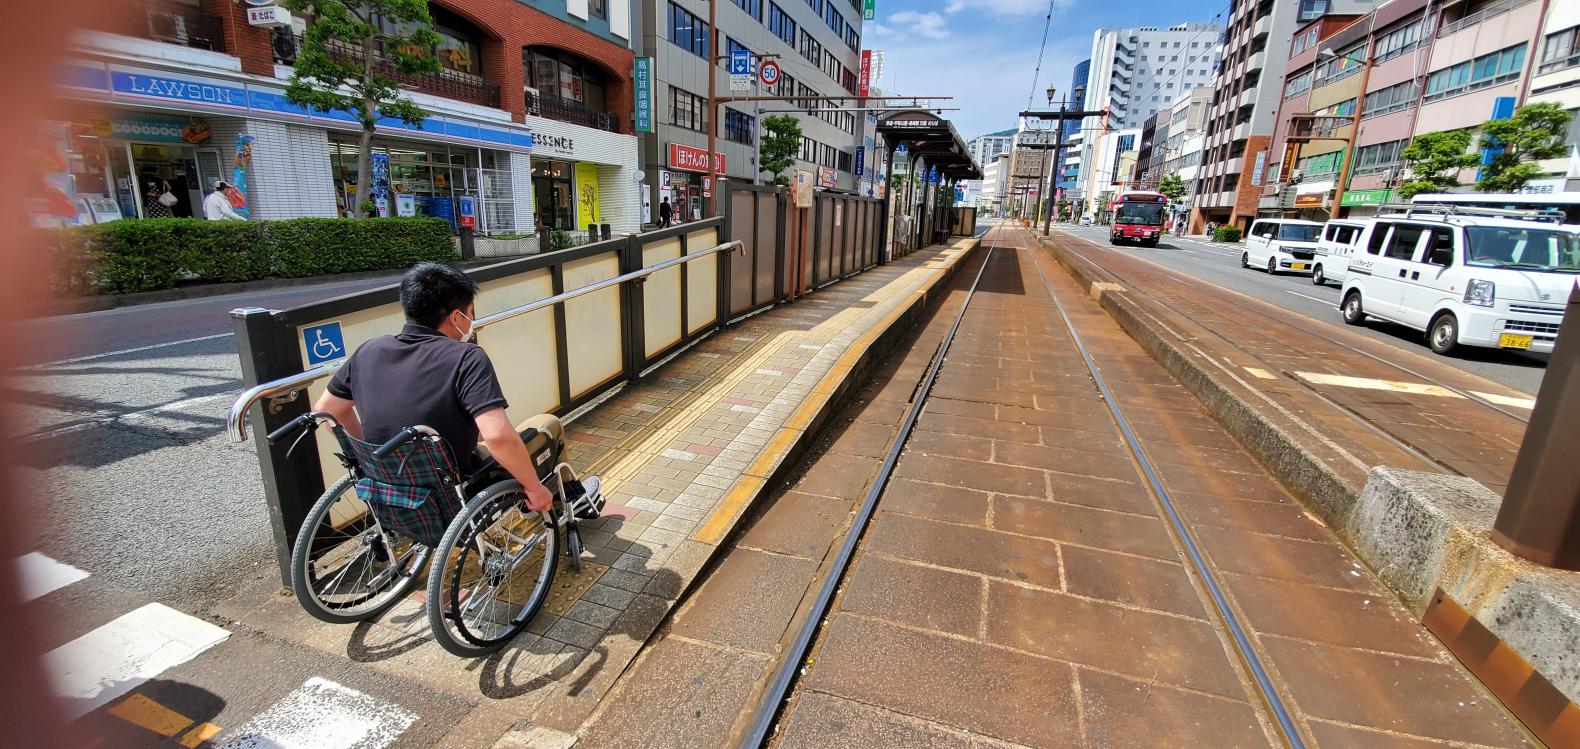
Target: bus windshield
1535	249
1299	232
1140	214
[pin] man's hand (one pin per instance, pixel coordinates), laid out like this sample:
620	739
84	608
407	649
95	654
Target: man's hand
505	444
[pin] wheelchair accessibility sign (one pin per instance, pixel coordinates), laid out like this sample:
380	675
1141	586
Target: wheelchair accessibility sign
323	343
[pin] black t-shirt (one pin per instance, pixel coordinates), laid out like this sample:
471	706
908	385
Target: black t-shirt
420	377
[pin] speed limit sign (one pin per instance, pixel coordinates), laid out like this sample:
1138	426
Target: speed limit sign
769	72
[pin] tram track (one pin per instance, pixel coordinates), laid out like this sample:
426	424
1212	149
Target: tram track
797	656
1248	338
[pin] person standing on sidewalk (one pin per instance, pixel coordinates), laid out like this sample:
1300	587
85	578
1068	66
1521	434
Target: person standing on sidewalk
665	210
217	205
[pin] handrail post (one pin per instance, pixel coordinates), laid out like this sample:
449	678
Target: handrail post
633	313
267	352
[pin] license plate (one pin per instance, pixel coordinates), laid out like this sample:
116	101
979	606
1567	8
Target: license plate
1514	340
1297	266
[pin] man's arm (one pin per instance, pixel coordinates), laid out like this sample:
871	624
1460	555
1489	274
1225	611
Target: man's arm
504	443
344	411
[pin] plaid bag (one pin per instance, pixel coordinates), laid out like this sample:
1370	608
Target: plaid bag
411	490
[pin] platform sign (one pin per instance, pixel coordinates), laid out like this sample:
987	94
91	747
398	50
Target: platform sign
740	70
769	72
323	343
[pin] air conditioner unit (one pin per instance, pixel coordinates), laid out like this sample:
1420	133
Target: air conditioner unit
1295	175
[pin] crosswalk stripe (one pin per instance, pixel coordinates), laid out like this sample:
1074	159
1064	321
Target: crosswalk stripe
42	575
110	661
324	715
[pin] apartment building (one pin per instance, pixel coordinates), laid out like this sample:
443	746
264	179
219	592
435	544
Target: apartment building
1182	148
529	115
817	45
1247	93
1557	79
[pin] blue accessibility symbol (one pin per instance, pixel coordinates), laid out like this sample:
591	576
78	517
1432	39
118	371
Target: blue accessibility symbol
323	343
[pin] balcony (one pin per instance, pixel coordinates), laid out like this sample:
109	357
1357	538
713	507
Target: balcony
449	84
175	23
1495	9
567	110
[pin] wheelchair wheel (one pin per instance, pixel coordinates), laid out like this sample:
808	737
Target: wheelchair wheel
492	572
344	567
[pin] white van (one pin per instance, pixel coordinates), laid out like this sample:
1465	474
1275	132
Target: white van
1467	277
1281	244
1341	240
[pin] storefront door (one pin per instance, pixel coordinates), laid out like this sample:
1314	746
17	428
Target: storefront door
554	194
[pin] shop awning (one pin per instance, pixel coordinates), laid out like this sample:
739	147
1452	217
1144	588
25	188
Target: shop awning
932	139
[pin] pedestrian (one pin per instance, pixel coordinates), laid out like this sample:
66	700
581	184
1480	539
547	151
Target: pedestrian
217	205
665	210
158	199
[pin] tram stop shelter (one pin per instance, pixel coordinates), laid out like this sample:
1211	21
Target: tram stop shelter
935	150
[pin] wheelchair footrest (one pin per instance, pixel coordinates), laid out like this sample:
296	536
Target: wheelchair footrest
584	498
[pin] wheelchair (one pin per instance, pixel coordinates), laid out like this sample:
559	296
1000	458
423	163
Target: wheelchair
404	505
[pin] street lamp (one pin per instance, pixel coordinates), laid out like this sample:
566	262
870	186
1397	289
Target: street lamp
1051	92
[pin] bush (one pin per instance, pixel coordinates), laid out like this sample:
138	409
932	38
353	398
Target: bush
1226	234
123	257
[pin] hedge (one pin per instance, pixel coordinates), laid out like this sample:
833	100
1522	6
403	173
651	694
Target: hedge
1226	234
122	257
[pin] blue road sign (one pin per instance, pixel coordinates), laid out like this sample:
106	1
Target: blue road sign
740	62
861	154
323	343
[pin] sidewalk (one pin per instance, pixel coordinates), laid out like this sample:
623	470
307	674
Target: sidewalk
682	455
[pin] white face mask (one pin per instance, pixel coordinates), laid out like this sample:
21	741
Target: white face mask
471	329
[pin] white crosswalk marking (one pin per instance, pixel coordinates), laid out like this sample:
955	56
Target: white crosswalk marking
42	575
112	660
324	715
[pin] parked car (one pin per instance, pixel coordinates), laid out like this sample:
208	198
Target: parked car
1281	244
1086	221
1466	277
1340	241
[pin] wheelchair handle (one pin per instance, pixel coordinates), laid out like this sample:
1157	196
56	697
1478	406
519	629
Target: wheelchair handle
290	427
402	437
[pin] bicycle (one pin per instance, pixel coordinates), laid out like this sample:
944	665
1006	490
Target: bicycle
495	557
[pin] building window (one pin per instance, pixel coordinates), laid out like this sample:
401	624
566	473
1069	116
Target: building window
781	24
1298	85
739	126
816	6
1391	99
835	20
811	49
1561	50
688	32
598	9
852	38
688	110
753	8
845	160
1342	65
1311	10
1487	70
1400	40
1378	157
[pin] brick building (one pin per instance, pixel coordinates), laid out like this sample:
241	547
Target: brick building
530	115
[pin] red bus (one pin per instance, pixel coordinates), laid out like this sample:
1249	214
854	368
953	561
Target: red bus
1139	217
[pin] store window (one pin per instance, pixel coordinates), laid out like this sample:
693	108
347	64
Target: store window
433	175
553	192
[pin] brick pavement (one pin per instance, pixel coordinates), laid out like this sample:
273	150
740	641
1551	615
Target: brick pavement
682	455
1018	587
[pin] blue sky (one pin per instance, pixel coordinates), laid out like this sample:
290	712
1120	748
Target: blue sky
983	52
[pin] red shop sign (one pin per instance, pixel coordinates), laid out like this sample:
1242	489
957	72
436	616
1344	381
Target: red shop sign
694	159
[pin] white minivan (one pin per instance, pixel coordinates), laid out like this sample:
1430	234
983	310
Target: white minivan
1466	280
1341	240
1281	244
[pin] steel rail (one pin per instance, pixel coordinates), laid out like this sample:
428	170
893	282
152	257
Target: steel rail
1187	543
784	676
236	421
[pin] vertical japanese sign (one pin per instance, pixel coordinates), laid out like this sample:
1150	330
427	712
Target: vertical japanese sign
861	158
866	73
644	94
869	9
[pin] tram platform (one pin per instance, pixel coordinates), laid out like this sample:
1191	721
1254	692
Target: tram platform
683	455
1020	583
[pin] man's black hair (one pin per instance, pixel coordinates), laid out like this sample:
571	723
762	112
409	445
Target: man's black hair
430	291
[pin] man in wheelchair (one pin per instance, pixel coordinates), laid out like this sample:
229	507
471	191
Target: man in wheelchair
431	373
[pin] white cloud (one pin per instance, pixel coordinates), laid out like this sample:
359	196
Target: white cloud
954	6
930	25
1008	8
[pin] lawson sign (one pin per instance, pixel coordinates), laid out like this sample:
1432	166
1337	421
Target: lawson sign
115	83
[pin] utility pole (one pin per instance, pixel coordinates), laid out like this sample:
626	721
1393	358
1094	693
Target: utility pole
1058	116
713	106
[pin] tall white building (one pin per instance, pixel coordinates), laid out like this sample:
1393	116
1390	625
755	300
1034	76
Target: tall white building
984	148
1134	74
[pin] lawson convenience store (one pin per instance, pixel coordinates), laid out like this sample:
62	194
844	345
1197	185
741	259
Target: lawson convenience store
140	124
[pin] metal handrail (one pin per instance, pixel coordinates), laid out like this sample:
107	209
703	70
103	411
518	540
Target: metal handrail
236	422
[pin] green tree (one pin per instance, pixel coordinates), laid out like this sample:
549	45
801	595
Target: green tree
781	142
1172	187
1535	132
342	64
1435	160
